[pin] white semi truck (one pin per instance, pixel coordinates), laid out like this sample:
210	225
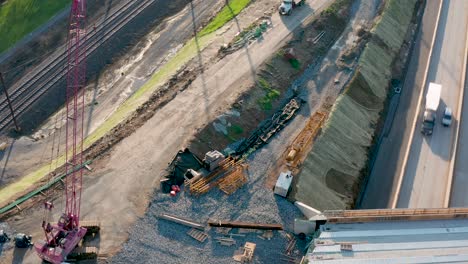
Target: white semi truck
432	103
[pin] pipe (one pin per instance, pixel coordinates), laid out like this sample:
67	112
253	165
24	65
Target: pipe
234	224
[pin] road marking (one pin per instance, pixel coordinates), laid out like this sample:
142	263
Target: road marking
416	116
448	190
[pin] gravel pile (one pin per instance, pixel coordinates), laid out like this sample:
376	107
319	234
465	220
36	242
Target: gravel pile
159	241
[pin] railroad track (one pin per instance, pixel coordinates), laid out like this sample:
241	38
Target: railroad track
31	87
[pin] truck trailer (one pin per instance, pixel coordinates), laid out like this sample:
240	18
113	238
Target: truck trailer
432	103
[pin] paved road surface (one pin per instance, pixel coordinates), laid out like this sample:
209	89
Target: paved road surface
459	197
426	174
388	162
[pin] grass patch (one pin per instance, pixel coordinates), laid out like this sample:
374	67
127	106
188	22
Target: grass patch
234	131
295	64
228	12
264	84
20	17
26	182
266	102
334	8
271	94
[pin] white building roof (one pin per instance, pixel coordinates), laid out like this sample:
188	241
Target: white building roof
428	241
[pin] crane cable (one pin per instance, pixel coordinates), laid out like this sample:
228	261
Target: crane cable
48	205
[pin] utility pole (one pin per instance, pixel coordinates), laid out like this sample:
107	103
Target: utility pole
9	103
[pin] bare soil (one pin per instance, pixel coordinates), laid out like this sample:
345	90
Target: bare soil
273	81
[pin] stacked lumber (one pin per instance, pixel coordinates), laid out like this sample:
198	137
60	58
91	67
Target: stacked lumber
227	167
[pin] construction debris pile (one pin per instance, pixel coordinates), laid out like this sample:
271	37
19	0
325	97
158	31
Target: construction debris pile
230	233
269	127
154	240
228	176
184	162
253	32
331	170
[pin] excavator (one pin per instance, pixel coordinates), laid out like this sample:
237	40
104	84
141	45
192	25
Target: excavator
63	239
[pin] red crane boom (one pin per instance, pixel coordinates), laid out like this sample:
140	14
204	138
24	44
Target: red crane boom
63	237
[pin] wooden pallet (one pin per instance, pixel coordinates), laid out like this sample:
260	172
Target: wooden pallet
245	254
290	247
197	235
225	241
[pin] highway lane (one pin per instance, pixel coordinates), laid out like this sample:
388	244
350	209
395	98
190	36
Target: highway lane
459	197
382	180
426	173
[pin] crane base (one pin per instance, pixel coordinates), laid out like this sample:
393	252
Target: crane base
92	227
56	254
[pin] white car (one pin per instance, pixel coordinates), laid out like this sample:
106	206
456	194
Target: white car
447	118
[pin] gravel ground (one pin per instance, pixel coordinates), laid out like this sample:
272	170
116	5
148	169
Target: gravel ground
160	241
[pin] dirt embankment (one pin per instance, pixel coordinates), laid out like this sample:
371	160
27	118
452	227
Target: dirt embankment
334	168
273	79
